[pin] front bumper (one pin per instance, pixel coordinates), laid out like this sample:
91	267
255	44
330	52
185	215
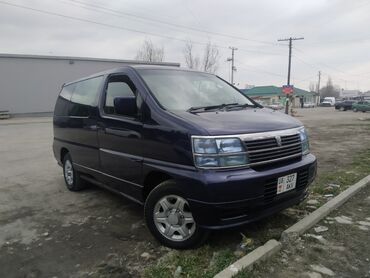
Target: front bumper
238	197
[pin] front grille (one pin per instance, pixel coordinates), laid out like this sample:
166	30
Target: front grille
270	150
271	186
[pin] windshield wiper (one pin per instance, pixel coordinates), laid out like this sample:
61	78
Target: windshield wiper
209	107
238	105
227	106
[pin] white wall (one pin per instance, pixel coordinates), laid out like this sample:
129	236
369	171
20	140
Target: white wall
31	85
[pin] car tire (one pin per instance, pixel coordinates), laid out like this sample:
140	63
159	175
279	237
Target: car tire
169	218
355	110
71	176
342	109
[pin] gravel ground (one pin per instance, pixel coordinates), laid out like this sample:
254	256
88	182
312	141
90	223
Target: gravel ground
338	246
47	231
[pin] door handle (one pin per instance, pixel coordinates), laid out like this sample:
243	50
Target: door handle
93	127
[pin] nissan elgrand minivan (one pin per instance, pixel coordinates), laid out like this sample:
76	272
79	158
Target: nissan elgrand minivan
187	145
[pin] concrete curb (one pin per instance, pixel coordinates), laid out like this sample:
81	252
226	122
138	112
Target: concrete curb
293	232
261	253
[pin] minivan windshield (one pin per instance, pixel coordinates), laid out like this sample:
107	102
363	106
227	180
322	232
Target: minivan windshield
187	90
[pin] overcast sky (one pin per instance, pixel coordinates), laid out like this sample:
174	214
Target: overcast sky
336	34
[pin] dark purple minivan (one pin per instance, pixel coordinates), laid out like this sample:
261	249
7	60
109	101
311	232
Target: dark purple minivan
191	148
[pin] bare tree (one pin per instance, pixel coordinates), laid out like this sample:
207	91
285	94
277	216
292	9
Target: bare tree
312	87
150	53
191	61
329	90
210	58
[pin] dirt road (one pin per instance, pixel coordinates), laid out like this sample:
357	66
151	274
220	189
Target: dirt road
47	231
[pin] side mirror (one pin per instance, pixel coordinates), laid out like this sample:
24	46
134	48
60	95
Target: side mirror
125	106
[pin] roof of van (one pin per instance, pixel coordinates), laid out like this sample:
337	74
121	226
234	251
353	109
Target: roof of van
120	69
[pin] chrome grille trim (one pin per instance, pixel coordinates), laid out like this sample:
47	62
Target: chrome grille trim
273	148
256	136
275	160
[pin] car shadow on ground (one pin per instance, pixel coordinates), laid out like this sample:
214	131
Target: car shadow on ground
134	227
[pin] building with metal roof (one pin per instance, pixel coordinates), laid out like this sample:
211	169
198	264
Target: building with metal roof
273	95
31	83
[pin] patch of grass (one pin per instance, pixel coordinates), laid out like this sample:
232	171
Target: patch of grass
202	262
358	169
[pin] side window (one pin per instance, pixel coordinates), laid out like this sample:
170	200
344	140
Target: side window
86	91
67	91
84	96
63	101
117	86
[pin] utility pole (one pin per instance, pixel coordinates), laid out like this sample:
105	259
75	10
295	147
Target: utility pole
318	89
289	65
233	68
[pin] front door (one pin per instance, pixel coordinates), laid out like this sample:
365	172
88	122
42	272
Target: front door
120	138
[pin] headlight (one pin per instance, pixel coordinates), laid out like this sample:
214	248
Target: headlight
218	152
304	141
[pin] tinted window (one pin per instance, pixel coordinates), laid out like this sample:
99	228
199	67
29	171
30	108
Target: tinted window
67	91
62	105
86	92
118	86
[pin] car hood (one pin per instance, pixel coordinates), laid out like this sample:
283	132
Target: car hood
250	120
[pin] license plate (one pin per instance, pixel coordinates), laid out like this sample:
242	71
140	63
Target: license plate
286	183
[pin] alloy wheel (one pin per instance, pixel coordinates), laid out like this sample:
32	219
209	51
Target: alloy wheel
173	218
68	172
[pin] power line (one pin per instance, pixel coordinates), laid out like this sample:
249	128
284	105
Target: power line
123	28
305	62
256	69
321	64
172	24
113	12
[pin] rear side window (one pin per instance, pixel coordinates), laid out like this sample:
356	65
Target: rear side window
67	91
85	95
86	91
63	101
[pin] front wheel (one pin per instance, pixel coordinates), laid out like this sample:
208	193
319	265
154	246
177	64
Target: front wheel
169	218
71	176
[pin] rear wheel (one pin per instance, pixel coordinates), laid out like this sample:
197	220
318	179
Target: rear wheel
355	110
169	218
71	176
